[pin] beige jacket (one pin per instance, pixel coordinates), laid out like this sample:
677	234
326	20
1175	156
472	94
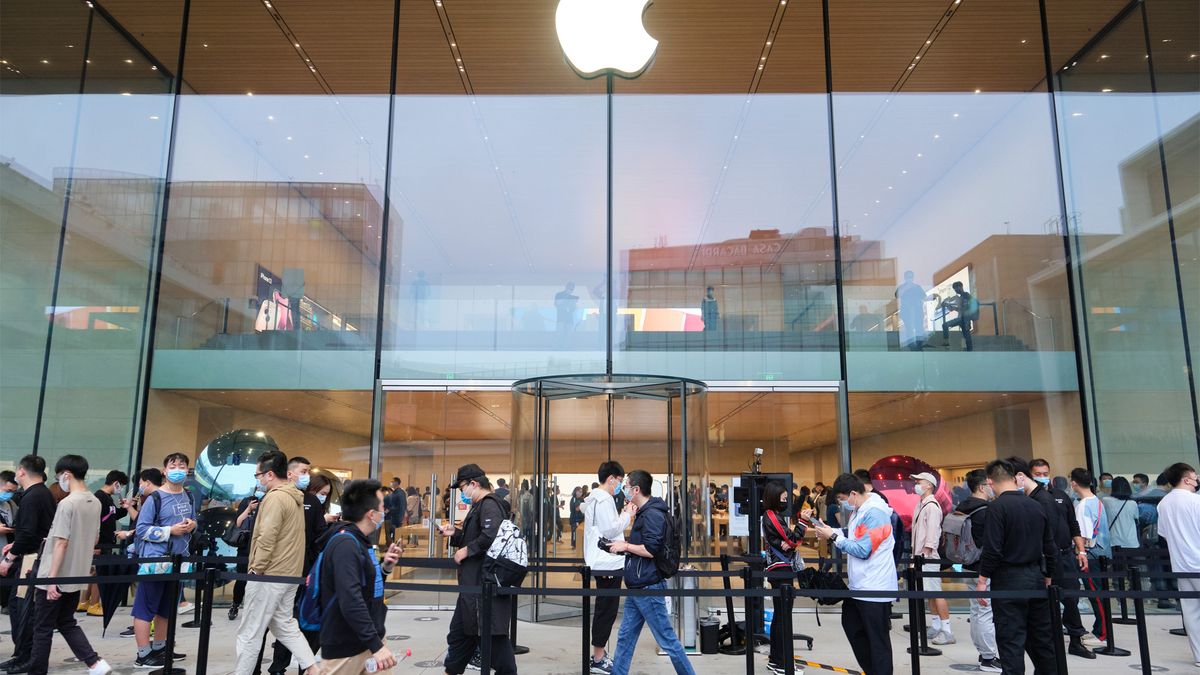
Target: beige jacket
927	527
277	546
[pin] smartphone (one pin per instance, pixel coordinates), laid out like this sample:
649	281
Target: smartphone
603	544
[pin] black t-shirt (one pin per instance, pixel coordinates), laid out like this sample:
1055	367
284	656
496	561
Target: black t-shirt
110	513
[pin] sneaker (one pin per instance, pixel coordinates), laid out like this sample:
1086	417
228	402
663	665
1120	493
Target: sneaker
476	662
101	668
233	612
775	668
1090	640
931	632
151	660
604	666
176	657
95	610
943	638
185	607
990	665
1076	648
127	633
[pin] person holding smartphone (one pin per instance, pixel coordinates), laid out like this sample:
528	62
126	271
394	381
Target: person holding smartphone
781	544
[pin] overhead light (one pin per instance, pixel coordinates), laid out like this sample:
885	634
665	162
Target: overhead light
1104	56
70	46
1105	90
270	118
1166	39
955	115
306	157
919	155
289	138
1024	41
153	67
206	45
936	136
45	61
249	93
128	60
154	117
889	187
903	170
1076	114
126	93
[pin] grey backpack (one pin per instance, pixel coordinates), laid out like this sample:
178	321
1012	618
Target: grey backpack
958	545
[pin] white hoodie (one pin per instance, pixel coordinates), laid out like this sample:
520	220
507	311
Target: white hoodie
600	519
868	543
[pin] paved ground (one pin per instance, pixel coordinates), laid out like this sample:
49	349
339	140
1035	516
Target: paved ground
555	649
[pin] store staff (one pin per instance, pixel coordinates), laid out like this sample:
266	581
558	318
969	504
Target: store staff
1018	555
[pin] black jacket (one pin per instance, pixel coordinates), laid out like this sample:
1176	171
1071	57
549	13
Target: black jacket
777	556
355	620
476	534
968	507
314	527
110	513
1016	532
1061	512
649	529
33	519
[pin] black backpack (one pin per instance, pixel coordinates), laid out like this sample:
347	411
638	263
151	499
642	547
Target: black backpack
667	560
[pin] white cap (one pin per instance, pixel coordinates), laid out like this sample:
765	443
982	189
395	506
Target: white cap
925	475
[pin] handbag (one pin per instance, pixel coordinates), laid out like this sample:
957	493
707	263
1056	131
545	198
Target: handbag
235	535
821	578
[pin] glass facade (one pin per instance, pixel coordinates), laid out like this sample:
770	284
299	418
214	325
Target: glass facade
871	228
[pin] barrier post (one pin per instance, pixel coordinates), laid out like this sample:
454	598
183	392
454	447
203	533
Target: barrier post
485	626
512	630
789	649
1060	652
1139	610
210	582
914	646
918	623
1110	649
751	629
169	662
586	573
1119	584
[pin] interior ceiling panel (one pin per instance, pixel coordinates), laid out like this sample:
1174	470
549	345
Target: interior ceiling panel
705	46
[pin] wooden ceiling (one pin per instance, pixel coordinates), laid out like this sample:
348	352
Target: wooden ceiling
705	46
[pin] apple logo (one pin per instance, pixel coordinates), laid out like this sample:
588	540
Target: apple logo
605	35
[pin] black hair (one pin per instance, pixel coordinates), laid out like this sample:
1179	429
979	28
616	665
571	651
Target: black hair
33	465
1162	479
864	476
151	475
412	489
1106	474
1121	489
176	456
501	482
7	477
976	479
524	483
360	497
641	480
483	482
1082	476
1039	462
610	469
275	462
1001	469
116	476
1019	466
298	460
771	495
1175	473
1143	477
847	483
75	465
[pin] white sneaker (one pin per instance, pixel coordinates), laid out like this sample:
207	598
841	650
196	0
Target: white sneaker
101	668
1090	640
943	638
185	607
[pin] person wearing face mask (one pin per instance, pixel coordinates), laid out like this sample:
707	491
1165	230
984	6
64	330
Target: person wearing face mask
780	545
111	496
1105	485
1070	546
1093	523
164	527
600	519
983	630
247	515
867	542
8	516
299	474
32	522
275	550
479	528
1179	524
926	536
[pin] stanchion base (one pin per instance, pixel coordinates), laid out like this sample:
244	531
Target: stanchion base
168	671
1181	632
520	649
1111	651
732	651
1125	622
926	651
1153	669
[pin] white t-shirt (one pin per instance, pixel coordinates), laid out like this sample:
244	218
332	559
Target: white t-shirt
1179	524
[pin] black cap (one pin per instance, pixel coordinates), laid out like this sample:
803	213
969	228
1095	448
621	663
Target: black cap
467	472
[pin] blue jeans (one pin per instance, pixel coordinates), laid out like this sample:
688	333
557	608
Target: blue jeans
653	611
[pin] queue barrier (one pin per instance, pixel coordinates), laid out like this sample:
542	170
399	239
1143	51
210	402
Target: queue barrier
206	573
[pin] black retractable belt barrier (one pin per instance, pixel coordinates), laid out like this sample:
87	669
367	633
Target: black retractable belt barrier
210	583
734	639
916	623
789	649
512	632
1139	610
485	626
169	662
586	573
1123	561
1054	593
751	628
1111	648
914	646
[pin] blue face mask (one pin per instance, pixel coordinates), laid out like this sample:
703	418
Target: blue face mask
1044	480
1107	483
849	507
5	496
259	494
302	482
322	498
628	492
177	475
462	496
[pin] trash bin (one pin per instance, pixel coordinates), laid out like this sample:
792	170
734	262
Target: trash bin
710	635
687	615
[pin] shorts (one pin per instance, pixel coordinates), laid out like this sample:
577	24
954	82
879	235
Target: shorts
931	583
153	598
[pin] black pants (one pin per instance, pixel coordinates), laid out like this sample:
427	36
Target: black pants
780	639
1023	626
866	627
20	616
460	646
962	324
49	616
1065	577
1099	608
239	586
606	612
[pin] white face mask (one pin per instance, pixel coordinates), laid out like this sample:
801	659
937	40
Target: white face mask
64	482
919	489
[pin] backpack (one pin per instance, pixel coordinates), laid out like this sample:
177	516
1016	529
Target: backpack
507	559
311	611
971	311
667	560
957	541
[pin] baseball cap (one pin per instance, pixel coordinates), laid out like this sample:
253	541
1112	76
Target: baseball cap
467	472
925	475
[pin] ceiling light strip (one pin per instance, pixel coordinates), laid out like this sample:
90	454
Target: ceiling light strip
294	42
924	47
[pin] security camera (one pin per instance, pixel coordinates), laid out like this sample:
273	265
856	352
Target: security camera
758	452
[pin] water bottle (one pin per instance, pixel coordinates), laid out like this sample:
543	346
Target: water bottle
371	665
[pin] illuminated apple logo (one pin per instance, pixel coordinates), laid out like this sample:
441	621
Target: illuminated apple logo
603	35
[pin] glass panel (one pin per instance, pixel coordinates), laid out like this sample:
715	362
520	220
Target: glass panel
722	214
496	259
1111	126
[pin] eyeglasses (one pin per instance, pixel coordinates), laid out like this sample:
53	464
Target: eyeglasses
261	473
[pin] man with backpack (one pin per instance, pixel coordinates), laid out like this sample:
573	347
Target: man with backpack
972	509
968	310
479	529
650	553
347	580
926	536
